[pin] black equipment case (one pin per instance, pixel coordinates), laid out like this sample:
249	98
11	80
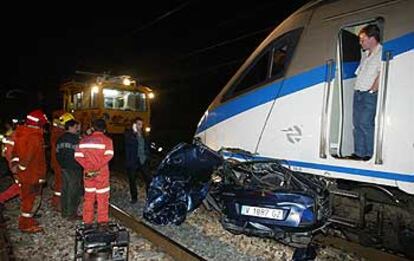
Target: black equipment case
101	242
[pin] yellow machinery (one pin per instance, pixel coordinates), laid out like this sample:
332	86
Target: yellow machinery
117	99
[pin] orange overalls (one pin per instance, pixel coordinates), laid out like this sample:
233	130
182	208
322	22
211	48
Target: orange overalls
31	173
14	189
93	154
55	133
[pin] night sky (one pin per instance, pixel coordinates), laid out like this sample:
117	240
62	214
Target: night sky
185	50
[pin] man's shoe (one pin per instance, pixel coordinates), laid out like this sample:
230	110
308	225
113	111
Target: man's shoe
354	157
366	158
74	217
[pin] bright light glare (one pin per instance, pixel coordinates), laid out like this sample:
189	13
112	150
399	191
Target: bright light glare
94	89
126	82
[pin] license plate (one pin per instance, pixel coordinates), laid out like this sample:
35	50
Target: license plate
271	213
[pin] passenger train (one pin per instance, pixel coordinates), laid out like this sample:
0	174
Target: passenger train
292	99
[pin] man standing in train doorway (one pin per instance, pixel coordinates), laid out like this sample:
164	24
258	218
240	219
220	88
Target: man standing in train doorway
366	92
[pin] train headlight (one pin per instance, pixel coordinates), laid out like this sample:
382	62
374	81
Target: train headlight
94	89
126	82
151	95
147	129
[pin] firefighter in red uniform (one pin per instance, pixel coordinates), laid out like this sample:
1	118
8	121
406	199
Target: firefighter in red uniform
57	130
8	143
93	154
31	168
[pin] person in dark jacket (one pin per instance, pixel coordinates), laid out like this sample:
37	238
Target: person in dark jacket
71	170
136	155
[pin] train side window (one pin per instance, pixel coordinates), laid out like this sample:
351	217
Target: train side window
256	75
279	59
282	53
94	98
77	100
270	65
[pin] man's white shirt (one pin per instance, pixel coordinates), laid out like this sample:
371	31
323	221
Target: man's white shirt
368	69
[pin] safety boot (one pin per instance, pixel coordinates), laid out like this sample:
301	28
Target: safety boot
29	225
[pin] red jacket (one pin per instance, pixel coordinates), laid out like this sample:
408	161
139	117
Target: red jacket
29	148
55	133
94	152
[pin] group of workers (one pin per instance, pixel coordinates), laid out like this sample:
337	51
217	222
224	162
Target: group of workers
79	163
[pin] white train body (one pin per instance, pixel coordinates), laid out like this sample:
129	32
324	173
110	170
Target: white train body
300	109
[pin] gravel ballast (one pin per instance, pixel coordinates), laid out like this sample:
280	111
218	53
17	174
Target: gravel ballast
202	233
57	242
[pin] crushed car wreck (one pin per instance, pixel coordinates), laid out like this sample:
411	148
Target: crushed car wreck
261	197
181	183
255	196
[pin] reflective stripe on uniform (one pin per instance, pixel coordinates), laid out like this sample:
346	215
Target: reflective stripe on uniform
90	190
79	155
21	167
15	159
103	190
109	152
26	215
32	118
7	141
57	193
91	146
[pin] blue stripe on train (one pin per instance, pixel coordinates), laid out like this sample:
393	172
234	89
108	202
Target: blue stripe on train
291	85
354	171
324	167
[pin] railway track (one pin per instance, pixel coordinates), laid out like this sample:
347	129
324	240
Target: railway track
366	252
170	247
180	252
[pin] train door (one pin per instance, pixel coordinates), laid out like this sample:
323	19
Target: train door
348	55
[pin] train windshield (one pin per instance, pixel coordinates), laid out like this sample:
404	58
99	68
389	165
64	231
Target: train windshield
124	100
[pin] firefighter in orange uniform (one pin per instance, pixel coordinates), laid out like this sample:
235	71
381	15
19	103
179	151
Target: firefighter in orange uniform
57	130
31	168
93	154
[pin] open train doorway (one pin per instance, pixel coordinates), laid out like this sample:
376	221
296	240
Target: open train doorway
348	56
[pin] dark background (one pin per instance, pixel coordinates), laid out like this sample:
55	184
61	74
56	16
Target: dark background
185	50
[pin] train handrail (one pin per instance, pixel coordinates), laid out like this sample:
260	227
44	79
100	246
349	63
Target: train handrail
381	110
324	119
